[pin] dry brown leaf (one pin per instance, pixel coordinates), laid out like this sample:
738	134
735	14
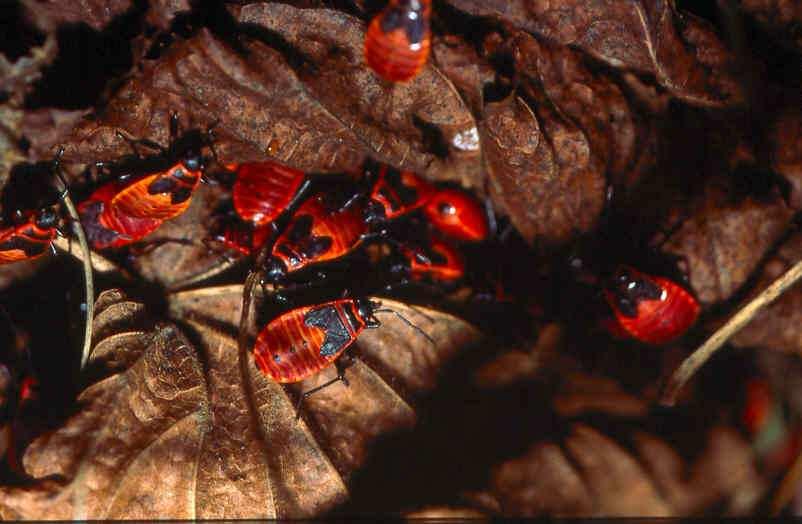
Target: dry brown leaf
170	430
550	156
162	12
726	236
96	13
681	51
309	116
590	474
542	172
783	142
392	120
778	326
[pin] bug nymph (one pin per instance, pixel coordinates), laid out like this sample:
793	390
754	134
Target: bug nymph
316	234
398	40
396	193
457	214
649	308
440	263
123	211
264	190
32	233
301	342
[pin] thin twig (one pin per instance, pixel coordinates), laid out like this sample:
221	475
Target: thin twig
695	361
88	280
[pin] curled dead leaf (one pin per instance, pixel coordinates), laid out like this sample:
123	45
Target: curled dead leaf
48	14
726	237
591	474
681	51
421	125
167	407
778	326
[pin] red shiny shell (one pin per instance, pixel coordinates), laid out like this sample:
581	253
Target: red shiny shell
661	320
343	229
263	190
139	199
400	192
24	242
244	238
106	226
446	264
398	40
289	350
458	215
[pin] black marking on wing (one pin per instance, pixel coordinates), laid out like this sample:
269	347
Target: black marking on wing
180	195
315	246
163	184
28	246
327	319
301	228
96	234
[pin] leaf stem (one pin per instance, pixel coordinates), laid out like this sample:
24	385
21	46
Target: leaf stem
697	359
88	277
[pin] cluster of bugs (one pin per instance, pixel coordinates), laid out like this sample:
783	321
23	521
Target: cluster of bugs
276	210
278	217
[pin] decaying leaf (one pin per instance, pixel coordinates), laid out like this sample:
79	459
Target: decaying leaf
308	115
726	236
48	14
551	154
777	326
783	147
682	52
169	429
591	474
422	125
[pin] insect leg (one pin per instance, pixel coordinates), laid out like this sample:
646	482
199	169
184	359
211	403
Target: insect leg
341	367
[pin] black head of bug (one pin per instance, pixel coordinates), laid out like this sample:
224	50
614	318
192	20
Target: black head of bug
46	218
629	287
367	309
275	270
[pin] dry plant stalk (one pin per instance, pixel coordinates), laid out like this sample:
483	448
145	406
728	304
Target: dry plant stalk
89	286
697	359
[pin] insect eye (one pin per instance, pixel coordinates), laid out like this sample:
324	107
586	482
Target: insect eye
446	209
46	219
193	163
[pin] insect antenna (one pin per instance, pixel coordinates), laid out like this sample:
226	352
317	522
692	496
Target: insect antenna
407	322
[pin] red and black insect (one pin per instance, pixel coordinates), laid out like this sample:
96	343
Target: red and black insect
457	214
648	308
31	238
440	263
451	211
397	193
261	193
301	342
31	233
316	234
124	211
398	39
264	190
234	234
